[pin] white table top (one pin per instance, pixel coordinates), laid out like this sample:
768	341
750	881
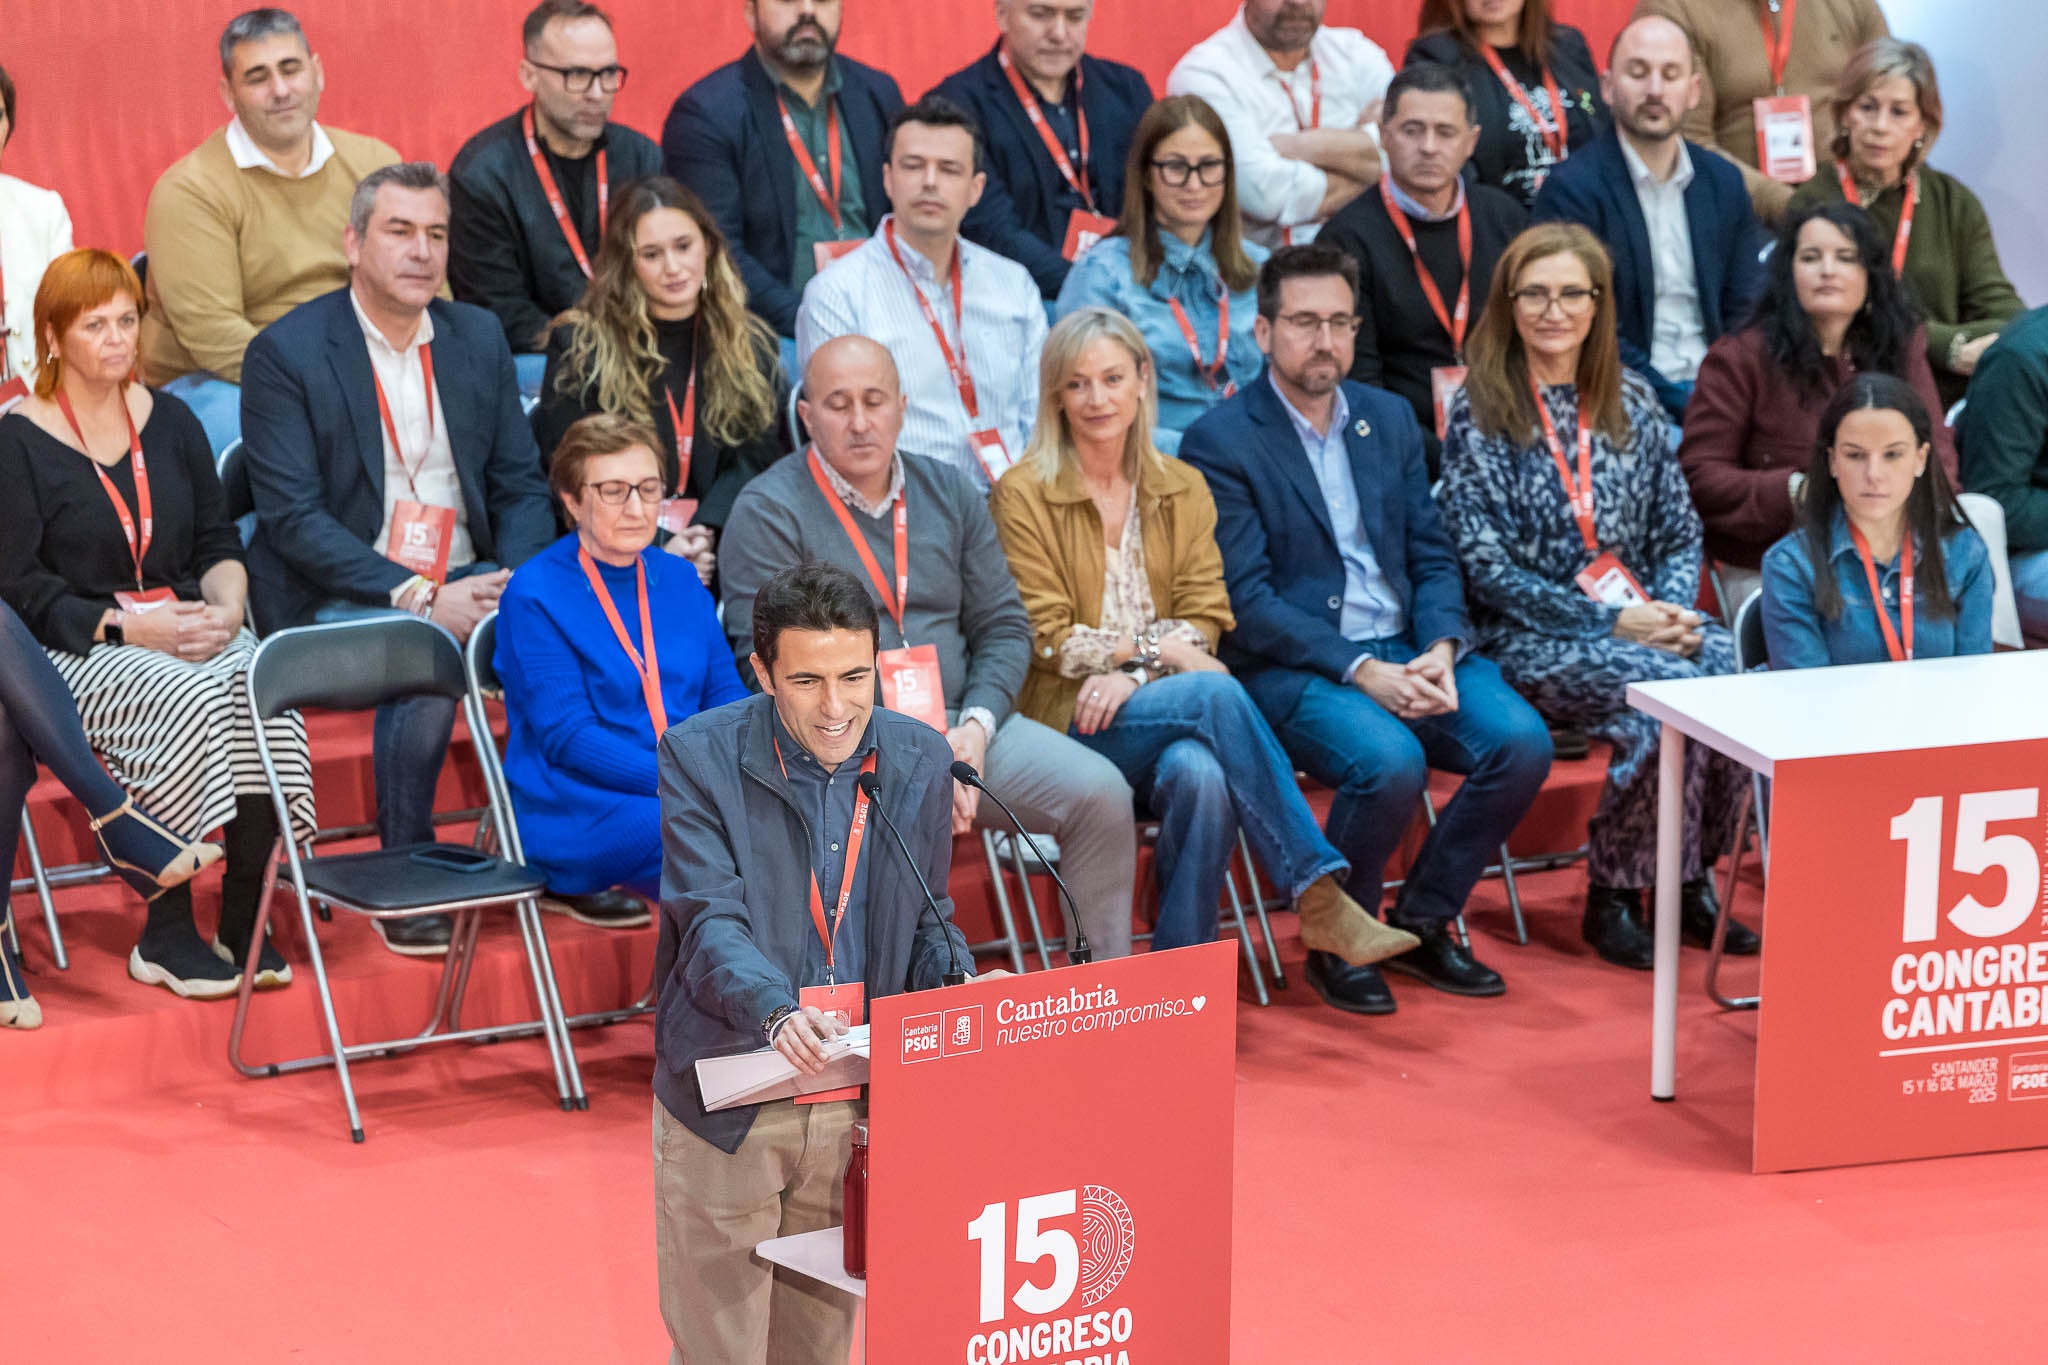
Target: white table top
1763	718
820	1255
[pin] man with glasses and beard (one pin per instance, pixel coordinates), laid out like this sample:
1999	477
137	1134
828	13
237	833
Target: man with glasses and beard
784	146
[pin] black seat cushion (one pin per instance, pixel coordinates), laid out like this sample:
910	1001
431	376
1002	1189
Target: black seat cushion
393	879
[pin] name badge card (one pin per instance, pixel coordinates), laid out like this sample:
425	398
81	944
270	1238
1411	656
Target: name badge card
676	514
142	603
419	538
1784	138
1084	230
848	1001
12	393
911	684
1444	383
1607	581
824	253
990	450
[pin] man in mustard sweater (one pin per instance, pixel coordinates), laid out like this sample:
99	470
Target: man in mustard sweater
248	225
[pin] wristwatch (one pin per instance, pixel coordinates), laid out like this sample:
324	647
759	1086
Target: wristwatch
774	1022
111	632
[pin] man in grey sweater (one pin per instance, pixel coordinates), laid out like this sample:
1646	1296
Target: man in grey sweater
948	605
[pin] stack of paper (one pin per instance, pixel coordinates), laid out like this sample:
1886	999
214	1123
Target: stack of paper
765	1074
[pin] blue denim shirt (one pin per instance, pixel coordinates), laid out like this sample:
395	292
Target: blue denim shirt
1798	637
827	797
1188	273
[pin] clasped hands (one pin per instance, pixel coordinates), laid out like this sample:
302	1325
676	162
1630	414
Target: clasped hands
192	631
1427	685
1661	625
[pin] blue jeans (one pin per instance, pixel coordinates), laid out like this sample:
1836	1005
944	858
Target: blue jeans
215	402
1380	765
1202	759
2030	590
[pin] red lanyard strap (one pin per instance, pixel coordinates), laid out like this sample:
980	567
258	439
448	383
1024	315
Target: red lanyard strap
828	934
1904	237
554	192
892	602
1453	320
684	423
647	664
1315	97
828	195
956	364
138	540
410	470
1213	374
1578	491
1778	41
1553	133
1076	181
1899	652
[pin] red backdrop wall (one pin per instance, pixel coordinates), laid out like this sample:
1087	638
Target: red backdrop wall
112	92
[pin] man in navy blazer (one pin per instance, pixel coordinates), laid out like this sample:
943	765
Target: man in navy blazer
1089	106
336	480
1351	627
1676	217
725	139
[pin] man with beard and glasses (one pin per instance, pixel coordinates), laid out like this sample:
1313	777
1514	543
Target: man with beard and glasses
1686	245
784	146
1301	102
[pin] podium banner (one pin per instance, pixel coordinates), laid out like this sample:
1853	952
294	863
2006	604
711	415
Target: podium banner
1906	970
1050	1166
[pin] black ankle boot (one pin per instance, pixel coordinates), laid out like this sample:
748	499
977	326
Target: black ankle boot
1614	926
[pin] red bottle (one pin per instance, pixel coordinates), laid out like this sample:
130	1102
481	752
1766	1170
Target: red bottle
856	1191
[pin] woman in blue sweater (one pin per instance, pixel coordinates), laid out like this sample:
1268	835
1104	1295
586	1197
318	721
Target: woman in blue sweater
584	713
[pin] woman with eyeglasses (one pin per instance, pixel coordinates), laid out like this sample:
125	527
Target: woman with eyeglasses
603	643
1582	563
1179	265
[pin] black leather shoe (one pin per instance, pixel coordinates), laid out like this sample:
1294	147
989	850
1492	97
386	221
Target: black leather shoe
1614	926
1441	961
419	936
1697	908
609	909
1568	744
1355	990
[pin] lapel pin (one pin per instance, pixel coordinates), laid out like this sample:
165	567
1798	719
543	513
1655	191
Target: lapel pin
1364	428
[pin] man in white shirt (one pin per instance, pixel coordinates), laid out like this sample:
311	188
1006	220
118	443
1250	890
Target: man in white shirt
964	324
1301	102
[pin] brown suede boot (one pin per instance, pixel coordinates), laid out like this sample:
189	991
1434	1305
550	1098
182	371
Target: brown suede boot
1332	922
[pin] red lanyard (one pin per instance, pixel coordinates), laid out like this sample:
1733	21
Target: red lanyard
1553	133
1904	237
138	542
1884	620
956	365
1029	99
554	192
684	423
1212	374
1579	491
894	602
828	195
1315	97
411	471
829	935
647	666
1453	320
1778	41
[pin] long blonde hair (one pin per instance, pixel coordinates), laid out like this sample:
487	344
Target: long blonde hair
614	348
1051	447
1498	381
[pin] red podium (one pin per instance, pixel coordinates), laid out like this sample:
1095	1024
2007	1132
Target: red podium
1050	1166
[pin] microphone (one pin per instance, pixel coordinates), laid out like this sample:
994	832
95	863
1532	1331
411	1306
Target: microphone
963	773
871	786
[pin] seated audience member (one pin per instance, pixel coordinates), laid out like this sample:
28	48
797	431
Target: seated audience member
1114	548
1058	126
392	470
1781	63
1179	266
1583	570
1425	246
532	191
2003	433
247	226
35	229
1887	115
757	798
592	684
39	723
1351	628
964	324
663	337
785	146
1536	90
1831	308
1687	249
1300	99
919	531
1878	520
118	554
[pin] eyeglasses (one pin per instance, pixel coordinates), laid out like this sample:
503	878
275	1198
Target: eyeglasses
1573	302
576	79
1176	170
1340	324
614	492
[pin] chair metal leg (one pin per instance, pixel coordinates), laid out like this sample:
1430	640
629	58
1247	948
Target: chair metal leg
1507	876
1258	899
327	1017
1244	937
997	883
1030	902
1760	792
41	877
1714	952
1464	931
549	1029
461	958
551	1000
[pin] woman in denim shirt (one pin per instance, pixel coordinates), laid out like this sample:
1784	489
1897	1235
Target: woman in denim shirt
1179	244
1876	511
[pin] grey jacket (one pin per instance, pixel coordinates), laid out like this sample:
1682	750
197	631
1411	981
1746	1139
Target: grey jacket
735	925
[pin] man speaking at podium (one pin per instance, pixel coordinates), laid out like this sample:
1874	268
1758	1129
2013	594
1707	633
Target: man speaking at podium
764	811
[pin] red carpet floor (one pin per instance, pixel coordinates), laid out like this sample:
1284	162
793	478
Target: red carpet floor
1464	1181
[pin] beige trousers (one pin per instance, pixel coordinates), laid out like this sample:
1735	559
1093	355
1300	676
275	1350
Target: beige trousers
722	1304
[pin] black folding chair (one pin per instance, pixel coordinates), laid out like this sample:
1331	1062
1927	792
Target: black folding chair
357	666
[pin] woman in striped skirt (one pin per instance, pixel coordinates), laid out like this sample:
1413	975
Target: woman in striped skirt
117	551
